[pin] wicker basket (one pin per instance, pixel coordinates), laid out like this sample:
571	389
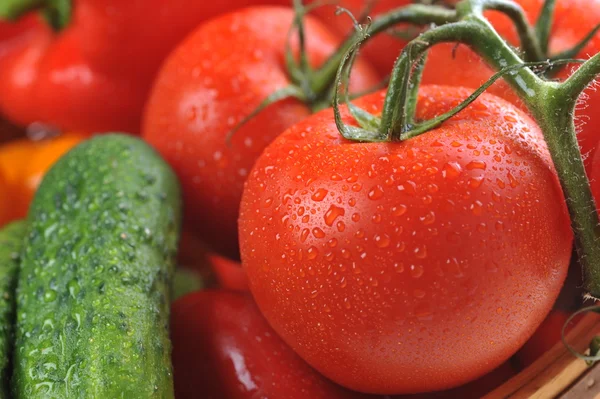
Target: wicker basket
558	374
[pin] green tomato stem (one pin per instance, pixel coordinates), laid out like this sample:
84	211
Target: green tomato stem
551	104
529	41
416	14
56	12
543	25
555	117
13	9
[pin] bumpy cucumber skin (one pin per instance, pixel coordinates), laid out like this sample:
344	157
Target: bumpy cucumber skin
93	292
11	242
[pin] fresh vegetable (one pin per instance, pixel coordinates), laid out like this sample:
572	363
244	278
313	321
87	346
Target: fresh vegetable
230	274
595	176
205	89
7	212
95	74
24	163
93	292
224	348
11	240
368	257
452	64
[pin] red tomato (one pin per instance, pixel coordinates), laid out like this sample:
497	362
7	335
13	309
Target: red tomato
546	336
24	163
229	273
96	73
224	348
205	88
369	258
194	255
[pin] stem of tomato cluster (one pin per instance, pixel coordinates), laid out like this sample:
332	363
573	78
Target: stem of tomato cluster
415	14
557	122
13	9
551	104
544	24
56	12
531	46
475	31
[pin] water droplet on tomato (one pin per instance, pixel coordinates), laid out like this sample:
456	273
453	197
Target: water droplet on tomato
432	188
376	193
304	235
399	210
382	240
420	252
512	181
499	225
333	213
320	194
451	170
408	187
477	208
347	304
428	218
475	182
318	233
355	217
312	253
476	165
268	202
399	267
416	271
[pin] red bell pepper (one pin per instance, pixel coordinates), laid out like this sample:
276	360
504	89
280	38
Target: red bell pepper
94	73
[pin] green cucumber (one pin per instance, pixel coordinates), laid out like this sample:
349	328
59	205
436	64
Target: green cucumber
93	293
11	242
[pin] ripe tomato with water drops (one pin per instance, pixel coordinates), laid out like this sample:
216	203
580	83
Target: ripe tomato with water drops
224	348
205	88
367	258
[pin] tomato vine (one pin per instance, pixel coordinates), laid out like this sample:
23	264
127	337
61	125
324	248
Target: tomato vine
551	103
